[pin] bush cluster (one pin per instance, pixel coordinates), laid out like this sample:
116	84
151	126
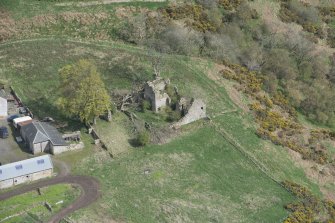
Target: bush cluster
310	18
331	37
327	13
328	16
195	13
275	116
309	207
230	4
322	134
250	80
303	14
279	99
172	115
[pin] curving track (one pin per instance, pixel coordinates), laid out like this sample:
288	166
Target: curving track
89	187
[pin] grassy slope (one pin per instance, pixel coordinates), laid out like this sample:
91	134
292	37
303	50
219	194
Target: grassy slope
119	143
196	178
223	183
32	205
28	8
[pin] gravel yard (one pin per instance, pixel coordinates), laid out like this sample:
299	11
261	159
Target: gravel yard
10	151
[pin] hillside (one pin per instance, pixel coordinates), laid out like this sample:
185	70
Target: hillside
216	170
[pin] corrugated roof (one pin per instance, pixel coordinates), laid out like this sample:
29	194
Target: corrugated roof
25	167
3	107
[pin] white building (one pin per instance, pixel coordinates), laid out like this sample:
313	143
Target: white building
3	108
21	119
25	171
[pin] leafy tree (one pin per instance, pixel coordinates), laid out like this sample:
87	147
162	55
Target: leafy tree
279	62
83	92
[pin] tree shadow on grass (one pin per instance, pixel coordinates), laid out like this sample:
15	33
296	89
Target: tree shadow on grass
42	108
134	143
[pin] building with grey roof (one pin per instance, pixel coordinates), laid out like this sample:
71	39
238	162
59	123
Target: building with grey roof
25	171
42	137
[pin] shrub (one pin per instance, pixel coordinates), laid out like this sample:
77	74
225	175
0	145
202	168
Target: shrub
331	37
169	89
230	4
327	13
145	105
265	100
143	138
200	20
308	208
245	13
296	189
172	115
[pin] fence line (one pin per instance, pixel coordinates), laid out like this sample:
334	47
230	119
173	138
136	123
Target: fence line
97	139
18	99
231	140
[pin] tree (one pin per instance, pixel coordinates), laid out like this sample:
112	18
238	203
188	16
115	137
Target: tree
83	92
280	63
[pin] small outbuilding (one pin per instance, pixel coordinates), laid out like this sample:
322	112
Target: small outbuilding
3	108
25	171
42	137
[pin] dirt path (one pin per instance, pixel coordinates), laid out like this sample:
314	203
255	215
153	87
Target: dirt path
89	189
103	2
89	186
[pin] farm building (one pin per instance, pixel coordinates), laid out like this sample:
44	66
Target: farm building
25	171
42	137
3	108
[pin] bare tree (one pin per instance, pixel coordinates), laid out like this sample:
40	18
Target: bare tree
157	61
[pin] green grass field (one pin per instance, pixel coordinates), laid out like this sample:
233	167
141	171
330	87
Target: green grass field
30	207
197	177
30	8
